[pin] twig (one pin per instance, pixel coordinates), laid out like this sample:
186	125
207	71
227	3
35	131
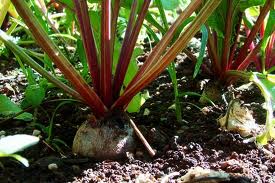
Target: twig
48	145
190	55
142	138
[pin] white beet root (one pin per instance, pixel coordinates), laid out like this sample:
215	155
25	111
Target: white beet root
110	140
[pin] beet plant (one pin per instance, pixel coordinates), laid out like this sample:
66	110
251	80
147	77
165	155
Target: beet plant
228	50
107	132
231	53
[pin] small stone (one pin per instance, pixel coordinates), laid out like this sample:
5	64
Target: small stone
264	168
232	166
36	132
52	166
130	156
205	110
146	112
142	178
234	155
2	132
224	165
174	142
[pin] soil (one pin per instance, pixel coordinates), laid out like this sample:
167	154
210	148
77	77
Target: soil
196	141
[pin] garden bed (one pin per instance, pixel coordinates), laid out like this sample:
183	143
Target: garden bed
197	142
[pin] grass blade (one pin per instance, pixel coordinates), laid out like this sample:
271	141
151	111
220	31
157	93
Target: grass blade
202	50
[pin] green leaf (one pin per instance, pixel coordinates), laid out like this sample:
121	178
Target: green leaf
202	50
266	84
128	3
82	57
39	16
70	17
217	22
14	143
34	95
21	159
269	29
269	83
149	17
48	64
68	3
272	131
4	5
30	75
134	105
152	33
182	26
263	138
170	4
95	20
218	19
244	4
8	109
183	94
138	100
253	11
133	67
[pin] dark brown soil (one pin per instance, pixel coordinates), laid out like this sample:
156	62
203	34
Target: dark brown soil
196	141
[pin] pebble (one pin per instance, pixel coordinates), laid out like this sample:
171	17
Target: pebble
146	112
234	155
127	178
130	156
174	142
231	165
36	132
52	166
264	168
159	174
